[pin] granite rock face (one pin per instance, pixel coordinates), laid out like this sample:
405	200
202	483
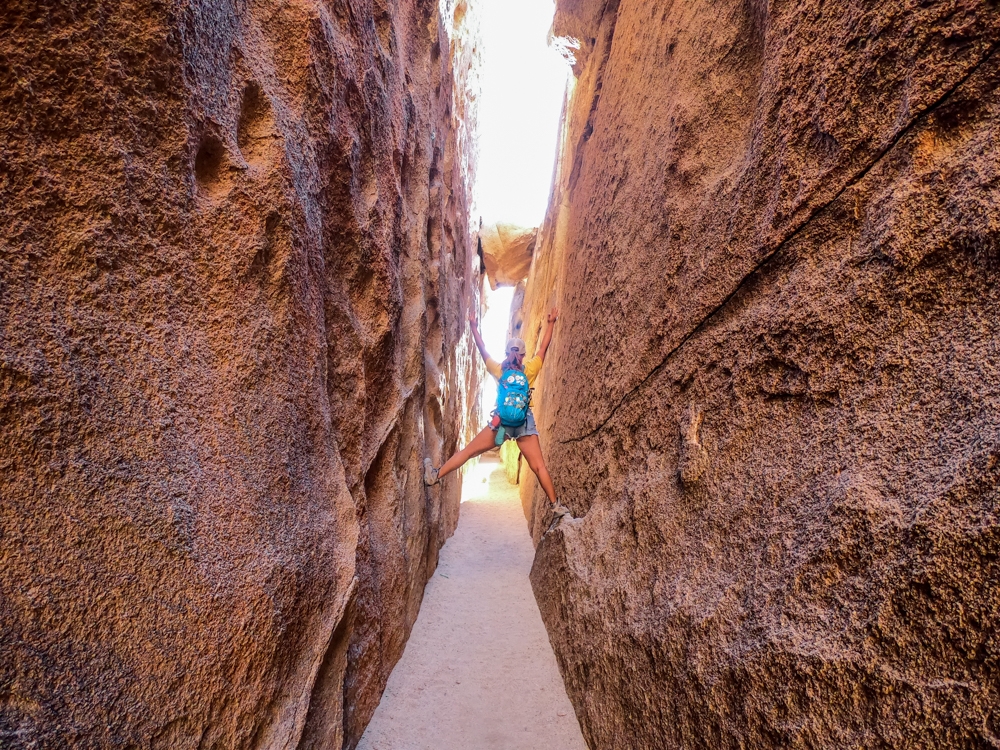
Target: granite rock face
234	272
777	226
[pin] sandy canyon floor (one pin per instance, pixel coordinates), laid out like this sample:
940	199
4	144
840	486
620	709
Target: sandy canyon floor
478	671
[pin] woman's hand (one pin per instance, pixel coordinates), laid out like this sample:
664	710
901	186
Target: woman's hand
547	336
475	334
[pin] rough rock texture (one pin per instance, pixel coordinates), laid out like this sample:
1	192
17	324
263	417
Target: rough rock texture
234	270
777	227
507	250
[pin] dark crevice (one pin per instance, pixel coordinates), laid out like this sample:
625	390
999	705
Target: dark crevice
757	269
208	163
610	7
324	710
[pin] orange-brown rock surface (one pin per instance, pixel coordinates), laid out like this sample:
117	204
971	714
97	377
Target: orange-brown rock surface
773	397
507	250
234	270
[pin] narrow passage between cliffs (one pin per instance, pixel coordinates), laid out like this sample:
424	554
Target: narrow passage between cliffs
478	671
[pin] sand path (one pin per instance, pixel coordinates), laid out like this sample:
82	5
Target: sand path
478	672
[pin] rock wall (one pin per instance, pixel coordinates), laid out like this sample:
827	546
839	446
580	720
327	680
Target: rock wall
234	272
776	227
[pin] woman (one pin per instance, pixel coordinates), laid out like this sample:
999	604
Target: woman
526	434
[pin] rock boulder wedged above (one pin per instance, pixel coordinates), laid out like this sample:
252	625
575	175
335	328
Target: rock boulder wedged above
507	251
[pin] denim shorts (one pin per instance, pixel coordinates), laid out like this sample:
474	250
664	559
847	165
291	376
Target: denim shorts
528	428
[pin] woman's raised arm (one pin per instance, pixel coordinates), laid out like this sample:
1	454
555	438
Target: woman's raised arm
547	336
475	335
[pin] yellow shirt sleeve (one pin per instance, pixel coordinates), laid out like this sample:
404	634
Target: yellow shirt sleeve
532	368
493	368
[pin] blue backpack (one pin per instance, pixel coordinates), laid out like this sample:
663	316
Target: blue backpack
513	397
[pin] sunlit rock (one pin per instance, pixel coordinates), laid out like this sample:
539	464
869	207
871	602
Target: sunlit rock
507	250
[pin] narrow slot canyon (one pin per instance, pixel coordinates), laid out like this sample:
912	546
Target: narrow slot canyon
241	246
478	670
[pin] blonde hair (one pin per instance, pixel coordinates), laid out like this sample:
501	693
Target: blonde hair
510	363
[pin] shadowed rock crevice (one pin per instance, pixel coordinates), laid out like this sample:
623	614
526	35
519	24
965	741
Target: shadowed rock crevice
211	168
256	131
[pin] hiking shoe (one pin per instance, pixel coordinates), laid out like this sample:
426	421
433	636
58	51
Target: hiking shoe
430	473
559	512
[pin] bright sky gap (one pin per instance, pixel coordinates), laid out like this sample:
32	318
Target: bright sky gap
523	85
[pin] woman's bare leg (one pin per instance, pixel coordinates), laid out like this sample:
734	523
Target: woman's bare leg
479	445
531	449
